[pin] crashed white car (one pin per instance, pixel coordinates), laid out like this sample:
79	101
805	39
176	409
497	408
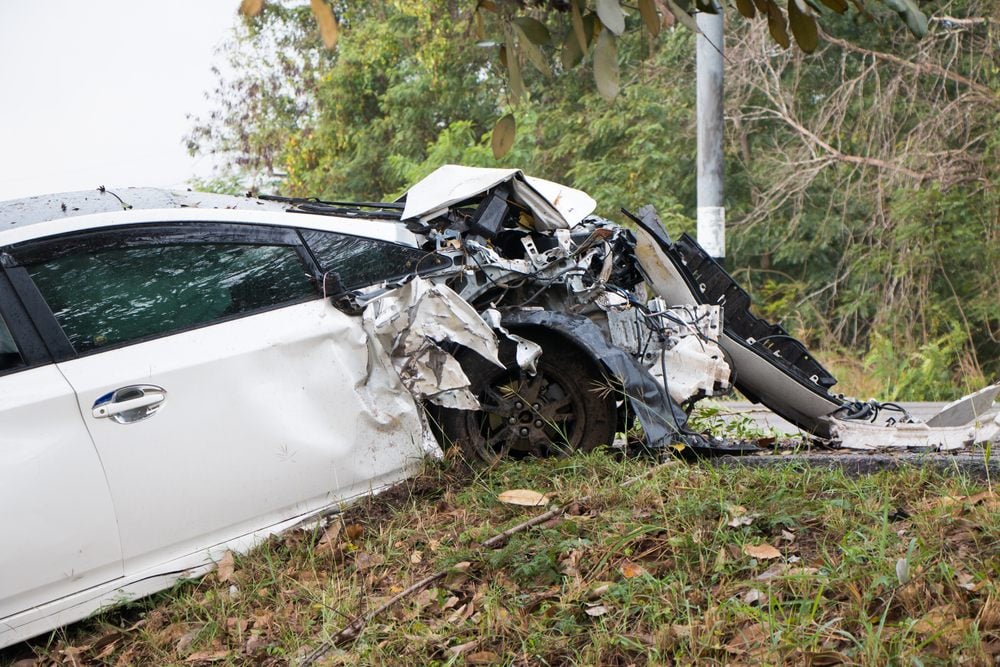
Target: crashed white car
183	374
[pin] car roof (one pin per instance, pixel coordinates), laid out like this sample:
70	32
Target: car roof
46	215
30	210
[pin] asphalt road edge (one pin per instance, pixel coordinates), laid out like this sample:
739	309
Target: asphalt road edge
974	465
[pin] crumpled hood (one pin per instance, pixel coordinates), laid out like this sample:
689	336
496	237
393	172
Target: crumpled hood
553	206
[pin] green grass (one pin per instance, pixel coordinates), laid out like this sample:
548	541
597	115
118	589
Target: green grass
647	573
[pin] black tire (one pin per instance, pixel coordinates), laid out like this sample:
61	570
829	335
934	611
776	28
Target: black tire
567	406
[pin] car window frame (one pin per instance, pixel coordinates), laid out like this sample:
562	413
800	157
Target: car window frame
28	340
55	340
436	261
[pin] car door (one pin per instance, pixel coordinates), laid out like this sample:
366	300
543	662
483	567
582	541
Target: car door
58	528
223	393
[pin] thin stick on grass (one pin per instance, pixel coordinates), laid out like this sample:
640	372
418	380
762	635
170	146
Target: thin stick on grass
500	538
352	630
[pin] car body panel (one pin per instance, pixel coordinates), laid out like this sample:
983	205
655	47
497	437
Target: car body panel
759	375
83	603
553	205
59	527
269	416
265	416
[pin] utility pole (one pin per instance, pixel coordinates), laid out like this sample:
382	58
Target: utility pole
708	61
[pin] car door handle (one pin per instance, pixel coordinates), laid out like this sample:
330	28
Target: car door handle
128	405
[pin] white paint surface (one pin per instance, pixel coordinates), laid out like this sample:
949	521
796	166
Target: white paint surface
553	205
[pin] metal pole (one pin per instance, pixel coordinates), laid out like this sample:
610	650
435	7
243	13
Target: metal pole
708	59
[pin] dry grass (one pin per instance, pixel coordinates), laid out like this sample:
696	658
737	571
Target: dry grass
896	568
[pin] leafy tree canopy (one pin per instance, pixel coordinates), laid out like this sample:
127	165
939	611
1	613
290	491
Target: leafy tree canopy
556	36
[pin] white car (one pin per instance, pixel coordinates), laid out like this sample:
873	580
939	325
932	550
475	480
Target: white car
183	374
173	384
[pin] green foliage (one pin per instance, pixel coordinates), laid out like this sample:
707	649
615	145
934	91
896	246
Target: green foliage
713	420
264	97
402	74
928	372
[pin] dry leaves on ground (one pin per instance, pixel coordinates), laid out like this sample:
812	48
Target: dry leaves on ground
525	497
761	551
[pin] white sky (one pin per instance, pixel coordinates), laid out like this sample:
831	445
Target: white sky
96	93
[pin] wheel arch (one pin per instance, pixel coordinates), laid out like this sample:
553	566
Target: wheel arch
662	419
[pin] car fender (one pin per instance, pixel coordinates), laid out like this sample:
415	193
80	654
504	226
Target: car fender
662	420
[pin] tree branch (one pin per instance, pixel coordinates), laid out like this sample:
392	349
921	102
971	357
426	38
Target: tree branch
920	68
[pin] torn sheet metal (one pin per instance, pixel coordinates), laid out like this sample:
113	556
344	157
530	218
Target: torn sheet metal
581	275
969	421
411	321
968	409
553	206
526	352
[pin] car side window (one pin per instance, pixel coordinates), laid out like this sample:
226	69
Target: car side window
112	295
361	261
10	356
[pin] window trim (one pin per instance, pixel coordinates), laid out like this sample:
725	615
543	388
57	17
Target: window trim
30	344
196	233
437	263
127	236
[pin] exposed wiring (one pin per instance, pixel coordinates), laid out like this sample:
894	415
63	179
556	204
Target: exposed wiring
869	411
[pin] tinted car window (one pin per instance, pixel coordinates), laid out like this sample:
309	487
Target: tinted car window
10	356
361	262
108	296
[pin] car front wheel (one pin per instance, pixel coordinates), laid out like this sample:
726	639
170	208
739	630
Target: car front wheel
568	405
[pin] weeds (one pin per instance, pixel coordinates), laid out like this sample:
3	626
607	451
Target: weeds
667	570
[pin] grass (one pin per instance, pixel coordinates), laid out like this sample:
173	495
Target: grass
895	568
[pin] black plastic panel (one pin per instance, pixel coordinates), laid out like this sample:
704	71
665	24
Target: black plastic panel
714	286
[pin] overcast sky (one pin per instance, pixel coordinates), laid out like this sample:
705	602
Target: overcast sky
96	93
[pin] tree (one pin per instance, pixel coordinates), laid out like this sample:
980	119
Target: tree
868	191
579	30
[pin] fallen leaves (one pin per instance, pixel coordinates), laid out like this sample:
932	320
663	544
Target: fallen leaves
959	503
226	568
207	656
781	570
331	536
364	560
748	639
631	570
761	551
738	516
525	497
754	596
587	575
942	626
989	615
462	649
